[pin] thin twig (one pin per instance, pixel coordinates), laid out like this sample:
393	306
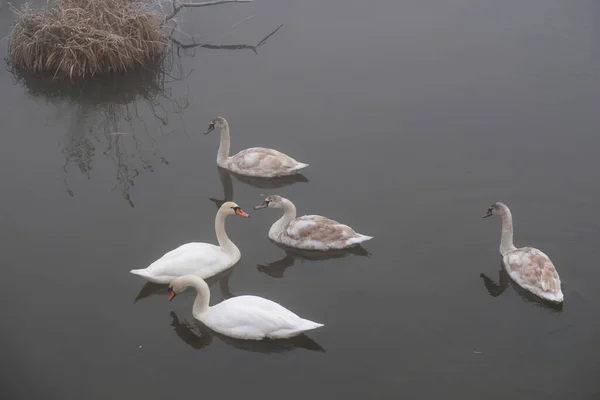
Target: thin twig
178	6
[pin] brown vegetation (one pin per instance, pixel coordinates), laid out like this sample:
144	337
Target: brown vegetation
85	38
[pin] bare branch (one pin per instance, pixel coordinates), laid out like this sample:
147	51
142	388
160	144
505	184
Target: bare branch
211	3
178	6
184	47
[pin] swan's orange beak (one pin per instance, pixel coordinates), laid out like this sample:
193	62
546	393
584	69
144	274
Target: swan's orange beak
172	294
242	213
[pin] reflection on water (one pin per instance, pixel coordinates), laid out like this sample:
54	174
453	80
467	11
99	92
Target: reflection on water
259	183
225	178
150	288
198	336
108	115
496	289
185	331
277	268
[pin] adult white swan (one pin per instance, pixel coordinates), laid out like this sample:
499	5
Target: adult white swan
256	161
309	232
528	267
200	259
242	317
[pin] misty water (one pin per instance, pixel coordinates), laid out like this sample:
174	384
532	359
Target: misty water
414	115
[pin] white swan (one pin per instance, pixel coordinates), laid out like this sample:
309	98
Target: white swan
242	317
256	161
310	232
528	267
201	259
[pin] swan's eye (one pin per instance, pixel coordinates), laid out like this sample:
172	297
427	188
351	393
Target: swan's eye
235	208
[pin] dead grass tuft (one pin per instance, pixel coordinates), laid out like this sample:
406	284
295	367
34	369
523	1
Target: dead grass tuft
84	38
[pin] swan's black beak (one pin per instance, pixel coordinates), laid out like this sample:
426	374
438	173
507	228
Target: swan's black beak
264	204
172	294
488	214
211	128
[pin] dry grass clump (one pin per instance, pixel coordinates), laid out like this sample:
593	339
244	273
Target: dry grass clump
84	38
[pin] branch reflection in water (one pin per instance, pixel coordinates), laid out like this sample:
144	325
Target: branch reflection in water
504	282
259	183
109	115
277	268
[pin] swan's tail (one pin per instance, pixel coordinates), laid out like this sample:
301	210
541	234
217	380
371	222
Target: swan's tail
299	166
309	325
359	239
141	272
556	297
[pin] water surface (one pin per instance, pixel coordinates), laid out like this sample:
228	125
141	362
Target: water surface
414	115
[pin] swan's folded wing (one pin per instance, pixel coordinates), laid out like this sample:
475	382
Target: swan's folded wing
251	316
184	248
532	267
263	159
201	259
320	229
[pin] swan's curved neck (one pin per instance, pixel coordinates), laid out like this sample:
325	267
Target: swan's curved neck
224	242
223	153
506	241
289	213
202	298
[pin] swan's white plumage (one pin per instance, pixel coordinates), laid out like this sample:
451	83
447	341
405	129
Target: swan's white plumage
252	317
200	259
242	317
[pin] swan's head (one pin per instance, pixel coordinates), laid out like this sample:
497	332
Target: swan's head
496	209
217	123
273	201
230	208
178	285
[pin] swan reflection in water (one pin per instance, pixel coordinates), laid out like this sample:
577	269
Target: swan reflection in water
277	268
198	336
259	183
497	289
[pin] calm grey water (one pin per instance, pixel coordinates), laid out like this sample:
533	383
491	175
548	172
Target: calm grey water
415	116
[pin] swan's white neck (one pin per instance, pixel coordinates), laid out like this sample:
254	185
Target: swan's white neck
202	298
289	213
506	241
223	154
224	242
